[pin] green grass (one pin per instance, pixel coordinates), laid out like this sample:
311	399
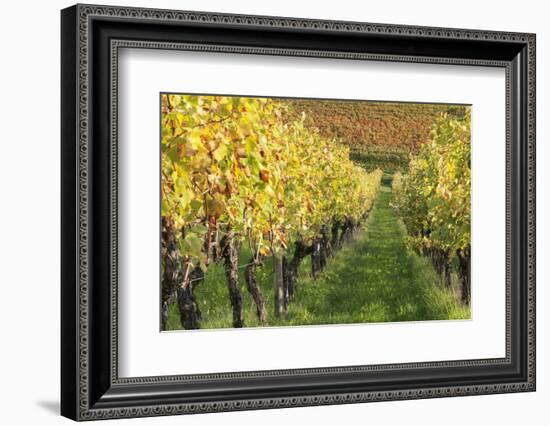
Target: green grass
374	278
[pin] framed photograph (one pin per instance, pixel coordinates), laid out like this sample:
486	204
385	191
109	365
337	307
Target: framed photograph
263	212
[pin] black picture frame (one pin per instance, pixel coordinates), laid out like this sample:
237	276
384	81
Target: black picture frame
90	386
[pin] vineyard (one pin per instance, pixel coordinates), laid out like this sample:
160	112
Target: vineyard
379	134
277	212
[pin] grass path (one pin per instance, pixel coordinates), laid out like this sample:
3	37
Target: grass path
377	279
374	278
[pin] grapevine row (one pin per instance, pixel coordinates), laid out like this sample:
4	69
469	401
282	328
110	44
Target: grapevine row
433	199
237	171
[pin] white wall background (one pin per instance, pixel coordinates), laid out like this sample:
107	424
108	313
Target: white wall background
29	212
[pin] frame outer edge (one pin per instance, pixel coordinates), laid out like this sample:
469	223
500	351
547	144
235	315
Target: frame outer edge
531	200
69	221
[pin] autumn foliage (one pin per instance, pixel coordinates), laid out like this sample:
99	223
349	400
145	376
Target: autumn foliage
237	171
433	198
